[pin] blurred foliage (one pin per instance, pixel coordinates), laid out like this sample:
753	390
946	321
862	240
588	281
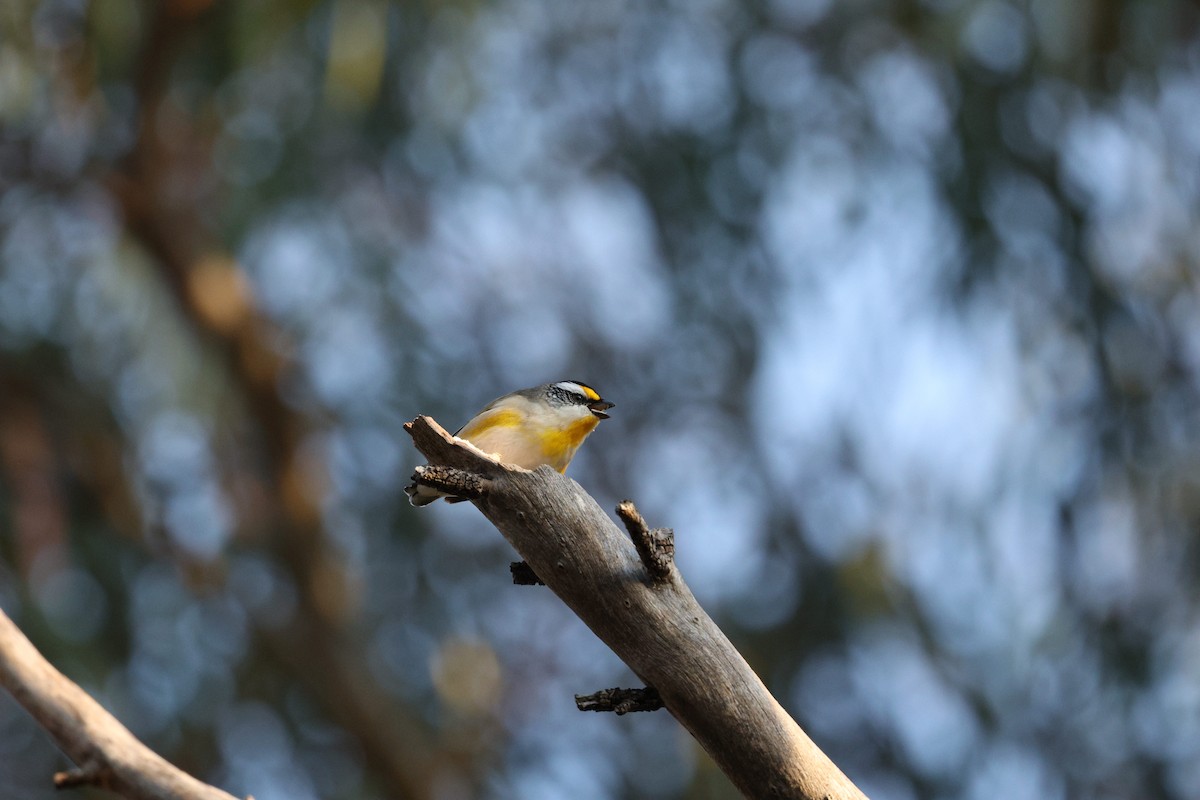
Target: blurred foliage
898	302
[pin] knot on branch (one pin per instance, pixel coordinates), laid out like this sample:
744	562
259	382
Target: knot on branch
620	701
453	481
655	547
90	773
523	574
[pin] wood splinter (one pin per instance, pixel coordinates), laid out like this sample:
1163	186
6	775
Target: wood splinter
620	701
655	547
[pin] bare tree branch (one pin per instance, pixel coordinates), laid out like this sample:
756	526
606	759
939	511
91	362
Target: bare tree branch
655	626
106	753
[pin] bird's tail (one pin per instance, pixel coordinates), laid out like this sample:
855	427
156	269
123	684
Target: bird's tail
421	495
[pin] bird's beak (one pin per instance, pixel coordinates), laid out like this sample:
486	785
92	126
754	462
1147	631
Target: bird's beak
599	407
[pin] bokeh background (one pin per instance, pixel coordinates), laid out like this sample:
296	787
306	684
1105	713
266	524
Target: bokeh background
899	303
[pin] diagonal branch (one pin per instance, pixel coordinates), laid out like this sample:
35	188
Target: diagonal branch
106	753
655	626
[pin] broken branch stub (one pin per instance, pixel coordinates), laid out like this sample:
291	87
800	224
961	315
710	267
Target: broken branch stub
655	547
457	482
620	701
522	575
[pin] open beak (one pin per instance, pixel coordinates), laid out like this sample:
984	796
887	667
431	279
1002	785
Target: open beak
599	407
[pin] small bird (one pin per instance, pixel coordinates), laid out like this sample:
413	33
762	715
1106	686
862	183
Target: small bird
529	427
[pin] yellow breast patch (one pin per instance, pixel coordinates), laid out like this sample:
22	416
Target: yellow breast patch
559	445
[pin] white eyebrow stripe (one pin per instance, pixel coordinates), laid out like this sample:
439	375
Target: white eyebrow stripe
584	393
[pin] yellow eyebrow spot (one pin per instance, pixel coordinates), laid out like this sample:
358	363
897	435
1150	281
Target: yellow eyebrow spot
589	392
